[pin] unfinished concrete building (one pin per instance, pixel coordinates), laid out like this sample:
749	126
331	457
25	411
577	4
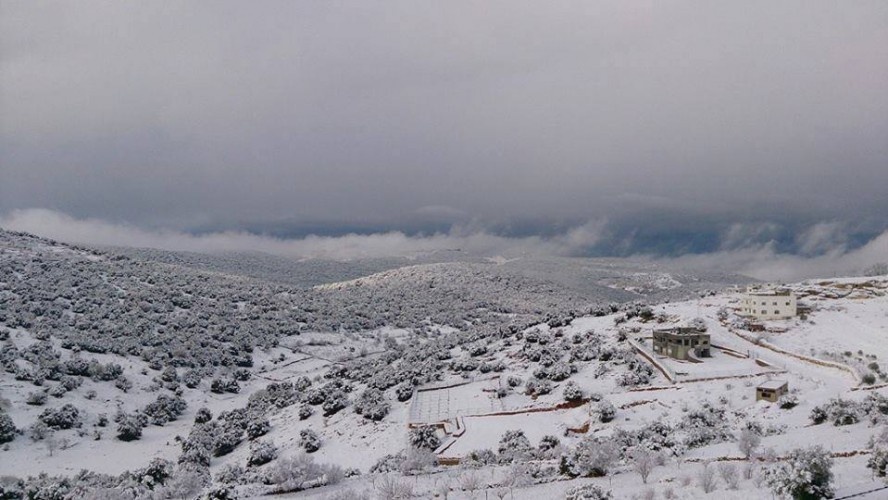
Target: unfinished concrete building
682	343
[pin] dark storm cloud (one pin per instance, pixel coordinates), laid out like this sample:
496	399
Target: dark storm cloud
702	122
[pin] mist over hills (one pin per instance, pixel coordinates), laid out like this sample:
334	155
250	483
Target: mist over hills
592	279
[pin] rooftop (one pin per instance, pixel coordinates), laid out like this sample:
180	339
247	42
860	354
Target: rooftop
679	331
769	291
772	384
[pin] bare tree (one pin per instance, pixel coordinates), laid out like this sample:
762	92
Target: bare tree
706	478
729	475
51	443
442	488
470	482
748	442
748	471
390	488
644	463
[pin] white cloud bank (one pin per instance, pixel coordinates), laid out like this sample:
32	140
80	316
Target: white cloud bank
765	263
62	227
760	261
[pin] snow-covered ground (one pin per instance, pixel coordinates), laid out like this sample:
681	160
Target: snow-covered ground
510	377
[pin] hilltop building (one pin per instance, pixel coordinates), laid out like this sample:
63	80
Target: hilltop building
767	304
682	343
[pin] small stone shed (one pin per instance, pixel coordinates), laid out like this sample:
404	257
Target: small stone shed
682	343
771	390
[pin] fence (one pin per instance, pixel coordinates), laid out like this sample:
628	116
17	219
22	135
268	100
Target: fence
649	355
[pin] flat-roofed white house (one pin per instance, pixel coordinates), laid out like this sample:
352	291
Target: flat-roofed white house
769	304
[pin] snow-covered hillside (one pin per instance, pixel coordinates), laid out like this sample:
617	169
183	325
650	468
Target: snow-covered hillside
435	380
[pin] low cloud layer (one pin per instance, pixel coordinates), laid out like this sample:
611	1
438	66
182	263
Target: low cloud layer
55	225
764	262
758	260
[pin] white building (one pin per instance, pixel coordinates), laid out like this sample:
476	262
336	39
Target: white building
769	304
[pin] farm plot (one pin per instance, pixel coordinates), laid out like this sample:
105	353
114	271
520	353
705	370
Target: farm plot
439	405
484	432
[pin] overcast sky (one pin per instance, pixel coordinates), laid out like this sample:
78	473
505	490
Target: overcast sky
665	126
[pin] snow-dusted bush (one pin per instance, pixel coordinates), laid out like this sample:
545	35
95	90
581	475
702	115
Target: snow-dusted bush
295	473
195	457
477	348
309	440
592	457
705	425
479	458
315	396
258	427
372	404
191	378
417	460
656	437
39	431
305	411
548	446
261	452
588	492
561	370
806	474
274	395
169	374
129	427
203	416
155	474
606	411
788	401
388	463
65	417
57	391
45	486
572	392
333	402
424	437
698	323
230	474
639	373
220	386
184	483
226	439
878	459
514	447
7	428
70	383
838	411
404	391
165	409
537	387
